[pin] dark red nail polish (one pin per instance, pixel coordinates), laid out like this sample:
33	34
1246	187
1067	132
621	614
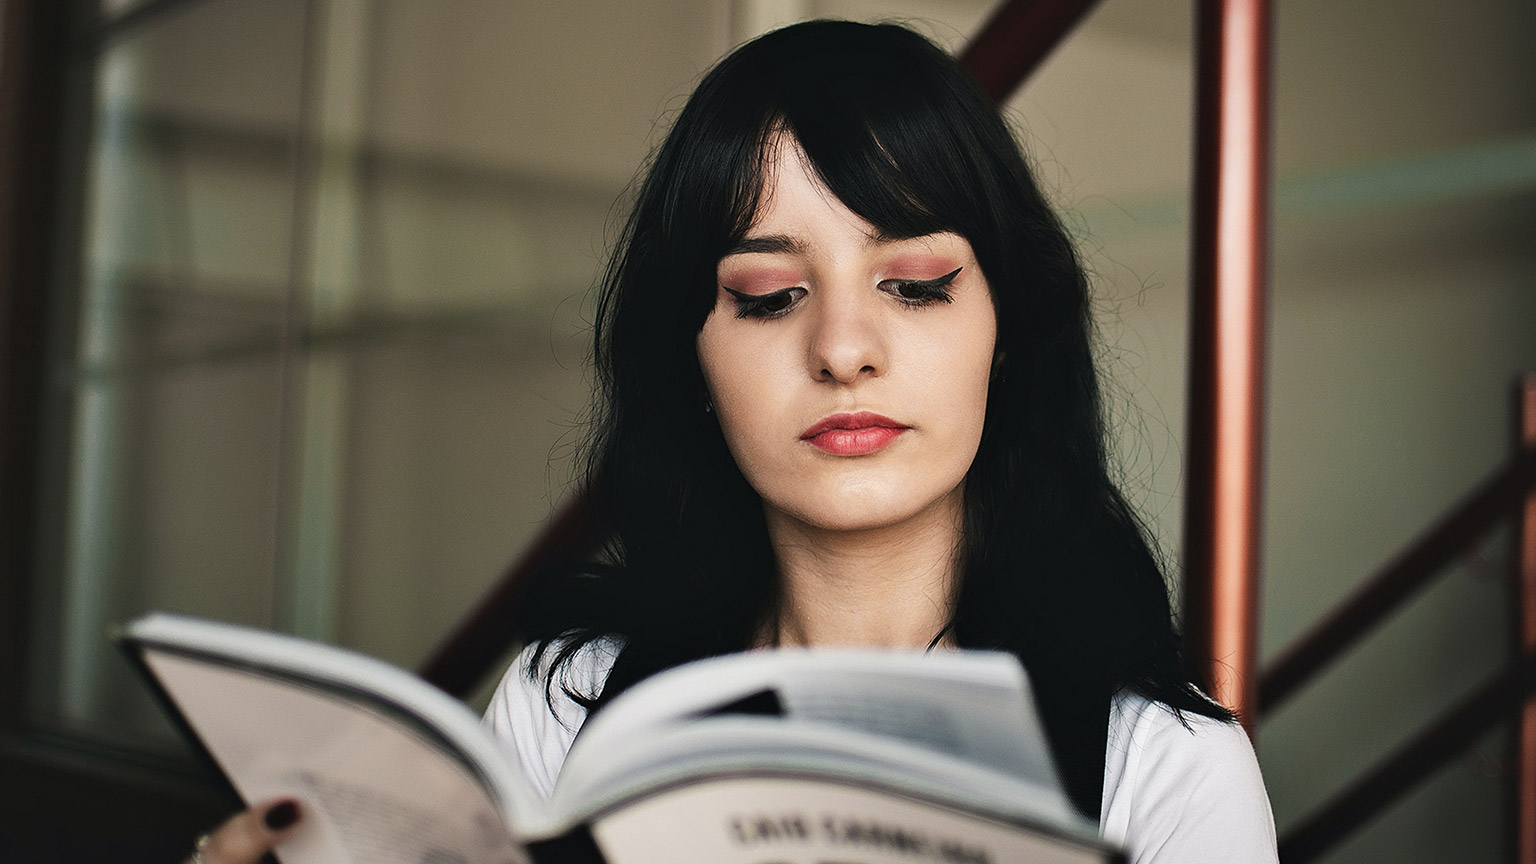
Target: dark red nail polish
282	815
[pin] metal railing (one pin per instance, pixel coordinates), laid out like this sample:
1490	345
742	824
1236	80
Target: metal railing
1507	493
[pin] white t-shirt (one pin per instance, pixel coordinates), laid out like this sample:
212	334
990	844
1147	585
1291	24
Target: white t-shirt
1173	794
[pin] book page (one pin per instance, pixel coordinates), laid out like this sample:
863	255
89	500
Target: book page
971	706
372	789
682	753
757	820
989	722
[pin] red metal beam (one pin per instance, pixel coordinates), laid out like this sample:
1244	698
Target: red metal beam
1227	334
1523	795
1409	765
1017	39
1399	580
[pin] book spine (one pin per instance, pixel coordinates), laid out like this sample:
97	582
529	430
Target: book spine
573	847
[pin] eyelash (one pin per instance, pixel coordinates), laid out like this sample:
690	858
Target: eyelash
777	303
765	306
929	291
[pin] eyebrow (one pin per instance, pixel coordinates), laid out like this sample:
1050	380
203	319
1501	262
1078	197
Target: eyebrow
772	244
783	244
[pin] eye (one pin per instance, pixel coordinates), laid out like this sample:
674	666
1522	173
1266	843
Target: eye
764	306
922	292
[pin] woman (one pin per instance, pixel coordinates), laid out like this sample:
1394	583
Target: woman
847	397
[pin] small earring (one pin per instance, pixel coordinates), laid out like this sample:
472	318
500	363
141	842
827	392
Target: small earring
709	407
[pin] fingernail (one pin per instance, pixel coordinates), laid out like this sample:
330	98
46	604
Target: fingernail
282	815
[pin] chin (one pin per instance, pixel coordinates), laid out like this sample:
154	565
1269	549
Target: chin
863	511
852	523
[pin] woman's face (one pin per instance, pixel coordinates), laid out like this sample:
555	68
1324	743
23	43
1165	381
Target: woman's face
848	370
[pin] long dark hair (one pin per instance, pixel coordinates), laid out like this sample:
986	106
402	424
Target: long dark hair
1055	568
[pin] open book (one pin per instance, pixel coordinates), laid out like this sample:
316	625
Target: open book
788	757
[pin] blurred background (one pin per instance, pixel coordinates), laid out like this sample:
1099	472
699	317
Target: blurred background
309	346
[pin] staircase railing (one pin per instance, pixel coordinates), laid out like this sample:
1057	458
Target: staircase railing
1507	493
1397	582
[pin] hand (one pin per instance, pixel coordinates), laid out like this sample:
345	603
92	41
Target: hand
247	836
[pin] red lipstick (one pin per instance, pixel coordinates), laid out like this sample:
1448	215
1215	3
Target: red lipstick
854	434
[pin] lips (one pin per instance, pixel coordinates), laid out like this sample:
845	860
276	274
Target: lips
854	434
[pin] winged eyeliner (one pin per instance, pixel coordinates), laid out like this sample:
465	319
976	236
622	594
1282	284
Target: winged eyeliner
775	302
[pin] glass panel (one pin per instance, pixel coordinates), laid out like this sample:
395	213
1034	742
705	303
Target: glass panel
334	388
473	157
174	384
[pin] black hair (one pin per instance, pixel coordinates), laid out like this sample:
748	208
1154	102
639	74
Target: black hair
1056	567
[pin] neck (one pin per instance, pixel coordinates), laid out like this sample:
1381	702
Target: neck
890	586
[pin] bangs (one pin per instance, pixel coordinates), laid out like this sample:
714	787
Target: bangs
885	134
886	120
868	179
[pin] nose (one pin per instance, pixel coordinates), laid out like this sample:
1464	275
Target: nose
847	341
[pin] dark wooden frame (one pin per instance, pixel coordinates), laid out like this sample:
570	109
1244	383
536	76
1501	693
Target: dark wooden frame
32	35
63	799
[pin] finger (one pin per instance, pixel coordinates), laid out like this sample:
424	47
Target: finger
247	836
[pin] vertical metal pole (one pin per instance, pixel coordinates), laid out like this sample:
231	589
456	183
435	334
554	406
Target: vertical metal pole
1227	328
1523	803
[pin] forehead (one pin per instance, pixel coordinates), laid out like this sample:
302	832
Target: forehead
862	182
798	215
791	183
795	206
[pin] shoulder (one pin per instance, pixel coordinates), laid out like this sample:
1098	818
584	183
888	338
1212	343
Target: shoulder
1182	790
535	725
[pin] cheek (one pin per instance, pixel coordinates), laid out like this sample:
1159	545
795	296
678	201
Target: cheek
958	364
754	434
967	404
965	383
723	373
742	391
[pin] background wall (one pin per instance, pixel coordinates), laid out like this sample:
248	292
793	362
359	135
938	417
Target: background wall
335	390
